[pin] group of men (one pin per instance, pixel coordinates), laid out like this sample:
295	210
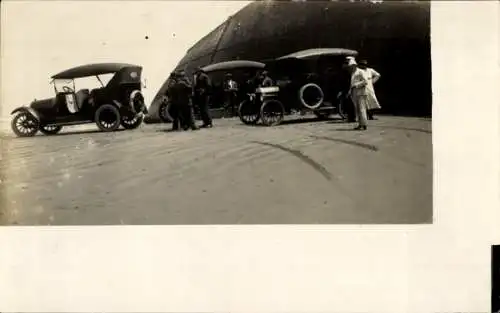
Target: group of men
184	94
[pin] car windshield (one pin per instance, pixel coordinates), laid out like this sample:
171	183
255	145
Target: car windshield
61	84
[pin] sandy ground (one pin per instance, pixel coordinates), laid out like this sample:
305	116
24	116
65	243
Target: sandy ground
298	173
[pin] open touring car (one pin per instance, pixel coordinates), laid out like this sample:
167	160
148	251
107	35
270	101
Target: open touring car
307	80
119	102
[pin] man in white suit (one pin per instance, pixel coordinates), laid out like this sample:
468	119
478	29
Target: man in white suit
359	93
372	76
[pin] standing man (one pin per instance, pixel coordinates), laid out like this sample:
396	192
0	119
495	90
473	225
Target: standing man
359	93
231	93
201	95
185	91
180	95
174	108
373	76
344	94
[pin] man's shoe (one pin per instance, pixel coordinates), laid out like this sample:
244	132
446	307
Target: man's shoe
360	128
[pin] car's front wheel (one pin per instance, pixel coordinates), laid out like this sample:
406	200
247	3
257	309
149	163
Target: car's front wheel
249	112
24	125
132	122
107	117
50	129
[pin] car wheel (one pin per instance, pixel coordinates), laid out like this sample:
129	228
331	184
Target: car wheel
50	129
24	125
132	122
272	112
248	112
107	117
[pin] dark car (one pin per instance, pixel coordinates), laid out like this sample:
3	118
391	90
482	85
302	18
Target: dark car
307	80
119	102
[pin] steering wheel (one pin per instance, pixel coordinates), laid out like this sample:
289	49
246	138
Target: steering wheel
67	89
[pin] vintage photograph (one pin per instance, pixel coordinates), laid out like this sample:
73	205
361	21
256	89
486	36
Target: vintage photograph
216	112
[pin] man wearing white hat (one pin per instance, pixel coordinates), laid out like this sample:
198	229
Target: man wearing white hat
359	93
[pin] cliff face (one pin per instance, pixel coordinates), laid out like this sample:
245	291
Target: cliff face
393	36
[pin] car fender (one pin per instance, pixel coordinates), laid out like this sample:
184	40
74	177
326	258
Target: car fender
29	110
118	104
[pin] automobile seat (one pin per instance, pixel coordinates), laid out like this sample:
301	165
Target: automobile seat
82	97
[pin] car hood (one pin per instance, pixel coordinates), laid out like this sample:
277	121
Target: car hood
41	101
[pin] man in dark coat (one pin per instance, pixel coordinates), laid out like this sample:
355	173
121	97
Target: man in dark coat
202	90
171	96
180	95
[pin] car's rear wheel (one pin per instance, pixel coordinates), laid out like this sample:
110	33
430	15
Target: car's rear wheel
107	117
248	112
25	125
272	112
50	129
132	122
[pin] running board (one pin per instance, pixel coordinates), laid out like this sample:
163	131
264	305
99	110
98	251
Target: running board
69	123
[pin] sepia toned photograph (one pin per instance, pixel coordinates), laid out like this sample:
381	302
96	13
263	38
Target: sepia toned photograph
216	112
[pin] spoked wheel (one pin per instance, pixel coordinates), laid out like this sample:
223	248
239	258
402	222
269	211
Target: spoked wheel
50	129
107	117
132	122
248	112
272	112
24	125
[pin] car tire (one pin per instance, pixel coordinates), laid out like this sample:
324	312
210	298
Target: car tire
19	127
318	102
50	130
132	123
107	118
272	112
248	113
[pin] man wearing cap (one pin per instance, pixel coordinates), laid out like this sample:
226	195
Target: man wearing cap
344	94
359	93
201	95
373	76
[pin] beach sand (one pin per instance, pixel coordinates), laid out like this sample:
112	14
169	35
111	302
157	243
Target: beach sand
301	172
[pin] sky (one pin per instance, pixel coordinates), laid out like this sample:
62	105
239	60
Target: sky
42	38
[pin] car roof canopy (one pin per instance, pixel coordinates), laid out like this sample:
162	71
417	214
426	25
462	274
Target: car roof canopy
92	70
231	65
314	53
